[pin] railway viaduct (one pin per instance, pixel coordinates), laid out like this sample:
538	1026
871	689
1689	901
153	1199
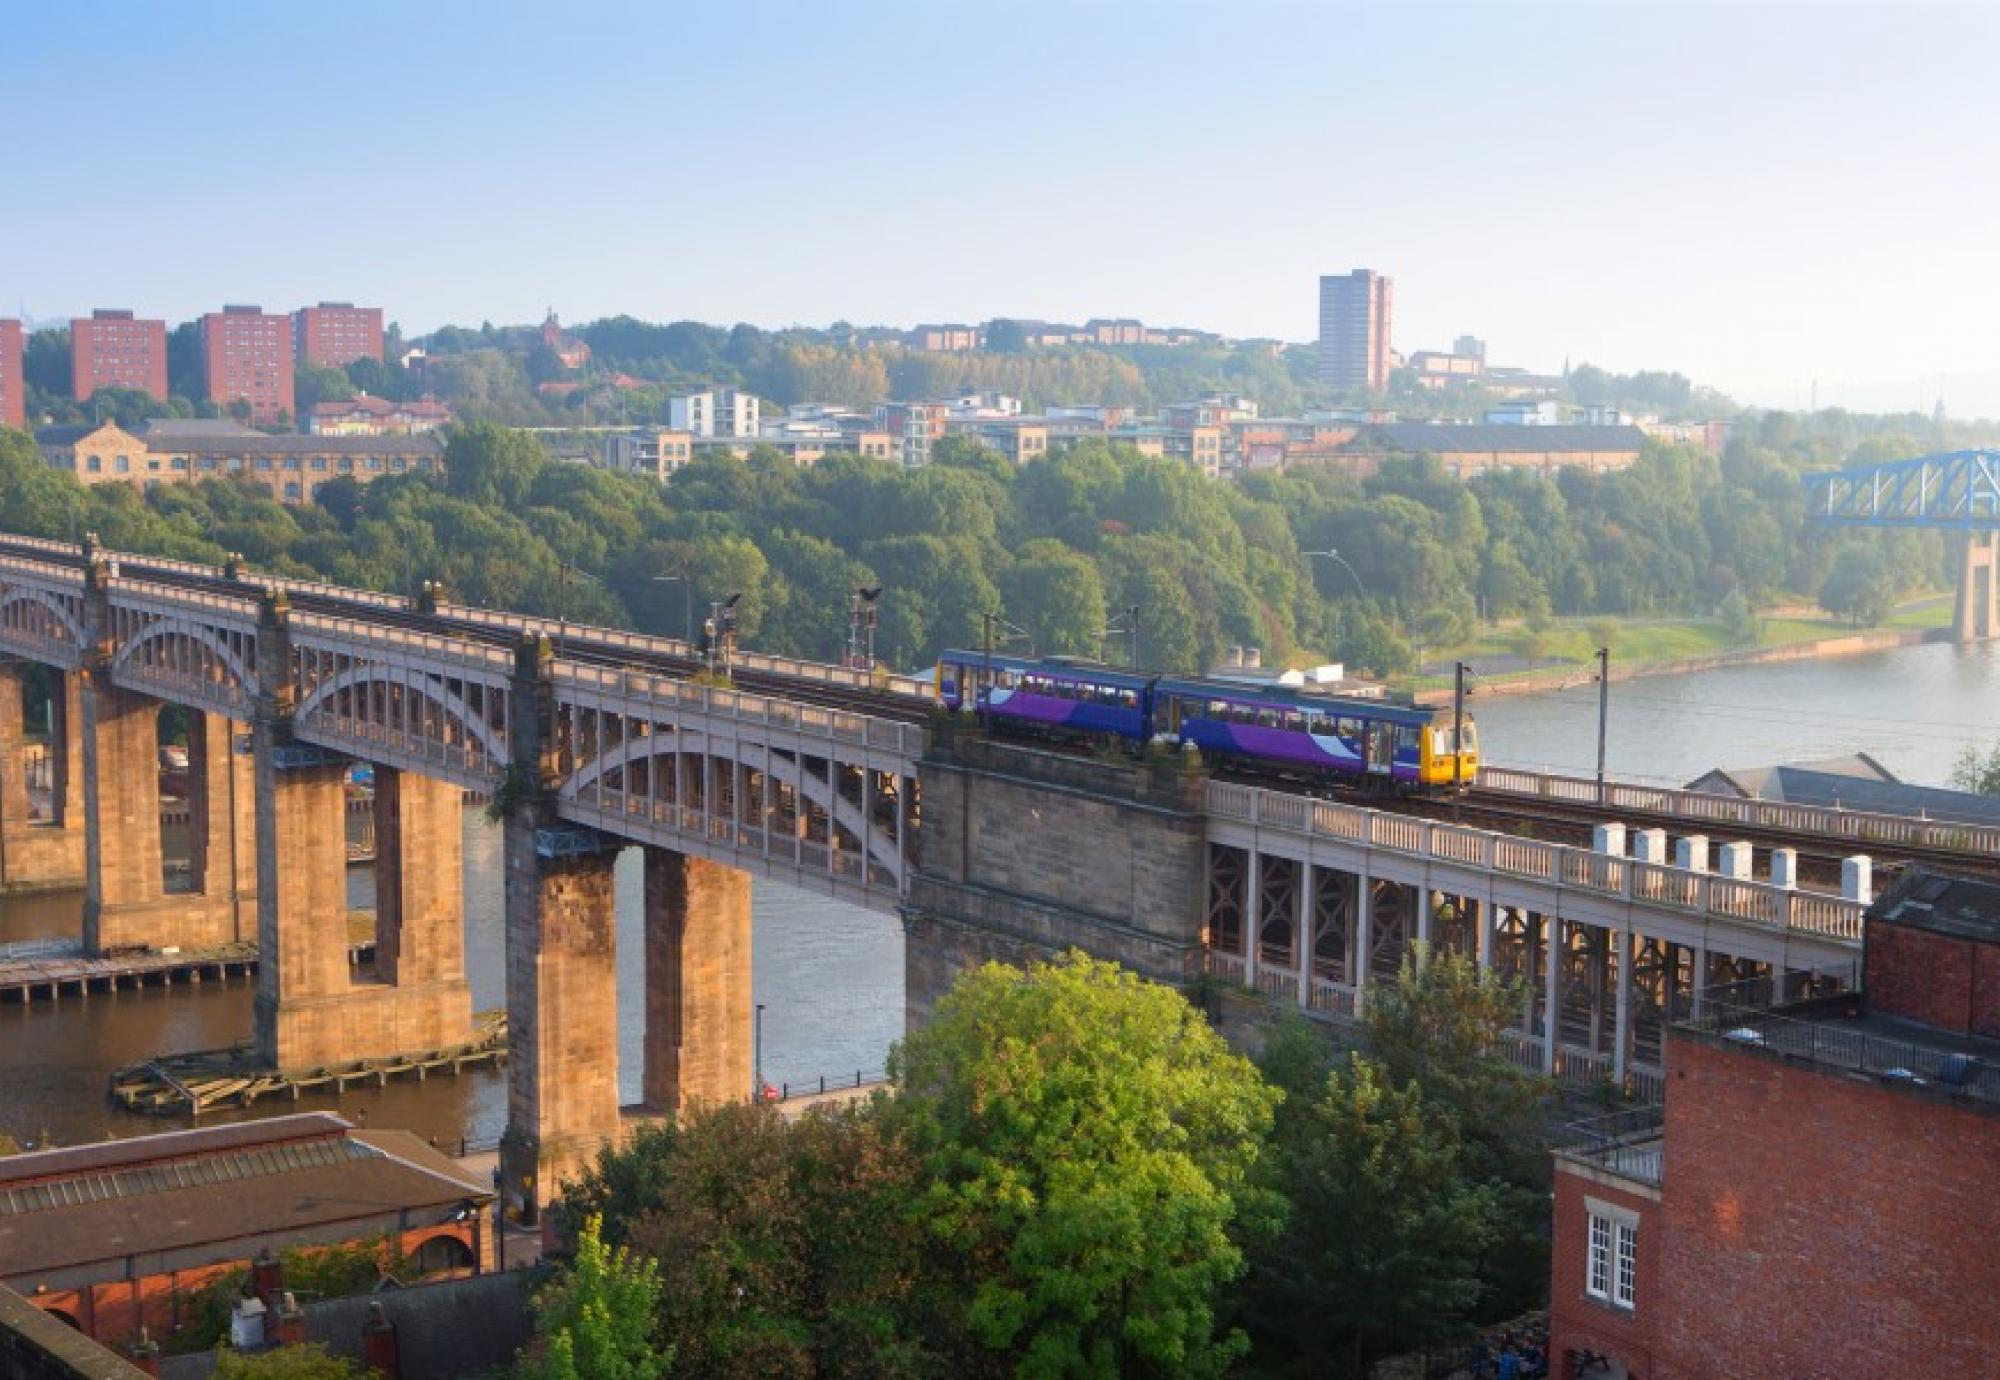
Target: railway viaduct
588	741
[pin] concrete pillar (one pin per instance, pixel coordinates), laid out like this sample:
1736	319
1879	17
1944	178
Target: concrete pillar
1857	878
1976	611
698	964
1624	945
562	1015
1253	914
1735	861
1608	839
42	853
121	797
1483	913
1426	901
1650	845
1304	934
1551	1002
1785	867
1364	929
1691	853
302	971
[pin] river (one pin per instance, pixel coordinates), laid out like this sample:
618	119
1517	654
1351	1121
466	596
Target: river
831	975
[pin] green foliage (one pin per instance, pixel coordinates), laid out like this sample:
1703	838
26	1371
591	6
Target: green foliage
205	1315
785	1248
1385	1235
353	1267
1088	1141
1976	771
598	1319
1861	586
308	1361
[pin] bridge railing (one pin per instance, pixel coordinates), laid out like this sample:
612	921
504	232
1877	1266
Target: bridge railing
647	692
1557	865
812	672
354	634
42	573
1849	826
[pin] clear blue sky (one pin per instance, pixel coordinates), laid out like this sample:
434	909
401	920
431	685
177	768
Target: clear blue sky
1758	195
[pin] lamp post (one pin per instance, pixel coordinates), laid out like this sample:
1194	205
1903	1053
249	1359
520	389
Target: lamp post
1603	712
684	573
1332	555
757	1058
565	569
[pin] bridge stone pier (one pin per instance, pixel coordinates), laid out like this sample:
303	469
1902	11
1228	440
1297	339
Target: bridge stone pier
1976	609
1028	853
41	852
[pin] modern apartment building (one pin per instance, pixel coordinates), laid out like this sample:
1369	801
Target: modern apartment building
335	334
914	428
13	399
247	356
717	412
1354	313
114	349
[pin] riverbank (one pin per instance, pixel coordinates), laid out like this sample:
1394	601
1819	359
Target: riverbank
1573	674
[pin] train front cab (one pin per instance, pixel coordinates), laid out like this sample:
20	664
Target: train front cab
1435	765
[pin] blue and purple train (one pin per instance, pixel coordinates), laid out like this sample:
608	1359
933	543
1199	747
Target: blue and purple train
1283	728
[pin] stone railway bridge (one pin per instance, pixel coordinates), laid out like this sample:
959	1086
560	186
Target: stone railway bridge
591	742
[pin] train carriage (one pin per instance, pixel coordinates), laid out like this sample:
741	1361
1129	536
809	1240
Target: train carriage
1048	693
1364	740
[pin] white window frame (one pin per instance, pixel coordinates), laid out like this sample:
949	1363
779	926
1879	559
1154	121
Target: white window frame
1611	1254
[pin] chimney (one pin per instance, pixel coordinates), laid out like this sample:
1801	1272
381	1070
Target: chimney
266	1277
1253	657
146	1353
378	1344
1235	657
291	1324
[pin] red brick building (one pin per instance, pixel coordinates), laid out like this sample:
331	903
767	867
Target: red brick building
334	334
13	395
122	1234
114	349
1822	1195
247	355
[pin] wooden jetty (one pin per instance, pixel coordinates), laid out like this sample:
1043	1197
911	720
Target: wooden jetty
56	973
208	1080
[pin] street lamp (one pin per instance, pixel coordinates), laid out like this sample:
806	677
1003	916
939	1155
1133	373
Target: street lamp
565	569
683	572
1332	555
862	616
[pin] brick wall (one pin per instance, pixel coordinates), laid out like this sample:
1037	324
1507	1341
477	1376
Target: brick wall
1939	979
1576	1320
1816	1221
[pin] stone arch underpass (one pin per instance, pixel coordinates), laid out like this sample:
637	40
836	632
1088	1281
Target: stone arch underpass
609	768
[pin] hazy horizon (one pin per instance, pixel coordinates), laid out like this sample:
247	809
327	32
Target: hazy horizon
1757	198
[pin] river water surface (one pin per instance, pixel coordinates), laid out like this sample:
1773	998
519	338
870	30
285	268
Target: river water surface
831	975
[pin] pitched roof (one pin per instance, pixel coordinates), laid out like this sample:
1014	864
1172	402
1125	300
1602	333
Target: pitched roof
425	445
1963	907
1415	437
181	428
214	1187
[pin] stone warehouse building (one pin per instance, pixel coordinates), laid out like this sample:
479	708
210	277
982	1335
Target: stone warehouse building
290	466
1818	1197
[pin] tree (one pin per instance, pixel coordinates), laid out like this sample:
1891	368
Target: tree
46	361
1384	1238
597	1320
1088	1139
307	1361
1058	596
312	384
1861	586
1739	620
489	464
1005	336
785	1248
1977	772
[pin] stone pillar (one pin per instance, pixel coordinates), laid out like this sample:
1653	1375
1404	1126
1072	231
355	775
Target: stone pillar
41	853
302	970
1552	999
121	796
1857	878
1735	861
1306	935
1624	946
562	1016
1608	839
1650	845
1253	913
222	827
1364	923
1785	868
698	965
420	880
1691	853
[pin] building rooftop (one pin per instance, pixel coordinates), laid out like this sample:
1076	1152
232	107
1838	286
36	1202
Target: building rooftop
1853	783
1962	907
1430	436
156	1194
182	428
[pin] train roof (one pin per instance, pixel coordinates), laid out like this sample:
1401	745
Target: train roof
1069	668
1291	696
